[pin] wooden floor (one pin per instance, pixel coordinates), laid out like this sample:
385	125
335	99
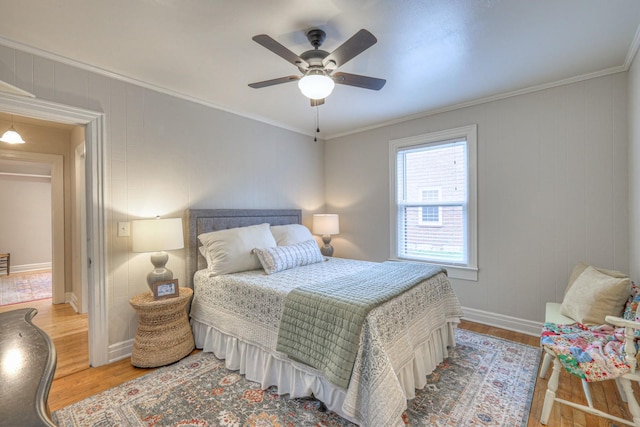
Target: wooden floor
68	331
605	394
75	380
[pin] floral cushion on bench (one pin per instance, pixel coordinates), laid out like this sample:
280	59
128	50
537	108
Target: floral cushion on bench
594	353
631	308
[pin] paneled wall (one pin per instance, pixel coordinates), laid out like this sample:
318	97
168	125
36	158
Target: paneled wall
553	179
552	191
634	171
166	154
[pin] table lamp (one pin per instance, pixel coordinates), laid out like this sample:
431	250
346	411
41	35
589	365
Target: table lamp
326	225
157	236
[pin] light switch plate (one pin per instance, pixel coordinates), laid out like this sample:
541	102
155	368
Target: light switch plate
124	229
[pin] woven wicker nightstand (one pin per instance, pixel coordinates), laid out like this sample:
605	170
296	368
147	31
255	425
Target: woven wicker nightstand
164	335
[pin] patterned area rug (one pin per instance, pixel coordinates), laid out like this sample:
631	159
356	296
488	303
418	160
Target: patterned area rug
485	381
22	287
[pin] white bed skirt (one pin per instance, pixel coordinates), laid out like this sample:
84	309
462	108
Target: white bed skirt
299	380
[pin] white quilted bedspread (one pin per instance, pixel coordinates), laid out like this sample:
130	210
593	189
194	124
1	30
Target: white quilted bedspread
249	305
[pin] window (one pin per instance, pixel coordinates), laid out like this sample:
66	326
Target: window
433	200
430	216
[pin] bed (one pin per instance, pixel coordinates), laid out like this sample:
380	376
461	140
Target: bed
237	317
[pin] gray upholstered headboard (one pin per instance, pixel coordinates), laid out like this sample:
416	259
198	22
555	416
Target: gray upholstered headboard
198	221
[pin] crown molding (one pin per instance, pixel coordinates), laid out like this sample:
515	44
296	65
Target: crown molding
531	89
106	73
633	50
631	54
13	90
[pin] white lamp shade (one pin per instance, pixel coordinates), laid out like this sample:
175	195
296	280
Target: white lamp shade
326	224
12	137
316	85
155	235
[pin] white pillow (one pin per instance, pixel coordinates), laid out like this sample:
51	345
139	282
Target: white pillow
281	258
230	250
290	234
205	253
595	295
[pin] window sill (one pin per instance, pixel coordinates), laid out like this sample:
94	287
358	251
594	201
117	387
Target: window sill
462	273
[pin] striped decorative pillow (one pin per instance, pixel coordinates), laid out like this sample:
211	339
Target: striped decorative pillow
281	258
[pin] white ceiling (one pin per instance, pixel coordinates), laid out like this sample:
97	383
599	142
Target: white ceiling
434	54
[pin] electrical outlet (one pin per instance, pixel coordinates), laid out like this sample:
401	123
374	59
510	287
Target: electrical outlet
124	229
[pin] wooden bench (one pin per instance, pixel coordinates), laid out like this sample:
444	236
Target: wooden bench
552	315
28	364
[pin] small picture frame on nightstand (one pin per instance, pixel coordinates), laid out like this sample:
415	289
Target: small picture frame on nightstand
166	289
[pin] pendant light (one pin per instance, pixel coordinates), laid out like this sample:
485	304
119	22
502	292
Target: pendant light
11	136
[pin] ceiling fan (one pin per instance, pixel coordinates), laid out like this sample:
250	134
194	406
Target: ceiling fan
318	66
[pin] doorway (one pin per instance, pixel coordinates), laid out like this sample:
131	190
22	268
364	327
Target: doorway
57	213
45	227
93	123
25	230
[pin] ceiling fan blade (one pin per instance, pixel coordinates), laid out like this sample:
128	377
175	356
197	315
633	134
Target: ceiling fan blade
316	102
361	41
358	81
280	50
272	82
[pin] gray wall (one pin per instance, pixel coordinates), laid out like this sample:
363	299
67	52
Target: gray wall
166	154
634	172
552	191
552	179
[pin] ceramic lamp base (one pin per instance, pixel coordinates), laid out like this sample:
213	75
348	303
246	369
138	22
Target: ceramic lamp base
327	249
160	273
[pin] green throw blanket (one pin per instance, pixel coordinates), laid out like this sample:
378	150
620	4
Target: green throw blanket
321	323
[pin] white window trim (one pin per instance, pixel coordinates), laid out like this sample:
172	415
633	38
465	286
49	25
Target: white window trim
470	272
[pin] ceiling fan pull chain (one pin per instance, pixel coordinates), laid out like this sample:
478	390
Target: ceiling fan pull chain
315	138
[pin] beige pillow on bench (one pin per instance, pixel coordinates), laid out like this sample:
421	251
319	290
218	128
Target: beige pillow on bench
593	295
581	266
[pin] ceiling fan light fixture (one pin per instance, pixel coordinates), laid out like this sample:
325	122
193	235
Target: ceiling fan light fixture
12	137
316	84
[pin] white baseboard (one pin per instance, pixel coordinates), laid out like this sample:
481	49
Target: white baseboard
71	299
524	326
30	267
120	350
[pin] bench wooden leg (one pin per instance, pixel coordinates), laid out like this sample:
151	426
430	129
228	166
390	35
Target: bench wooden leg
623	395
550	395
546	362
634	408
587	393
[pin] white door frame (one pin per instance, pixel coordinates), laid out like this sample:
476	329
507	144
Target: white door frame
94	123
79	232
